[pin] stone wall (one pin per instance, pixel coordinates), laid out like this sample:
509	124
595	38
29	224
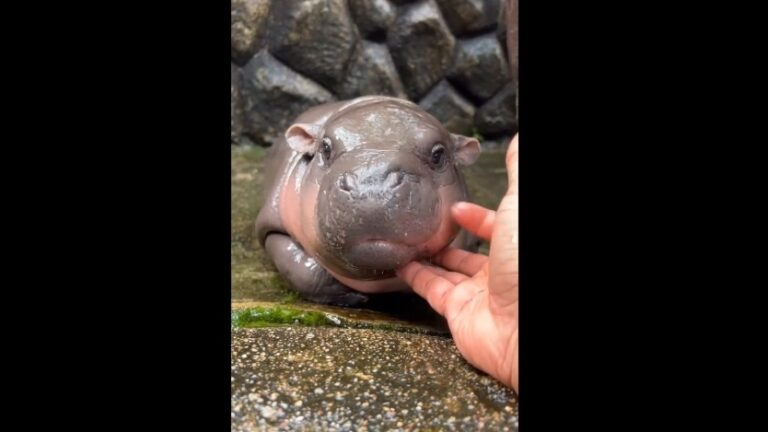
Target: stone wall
450	56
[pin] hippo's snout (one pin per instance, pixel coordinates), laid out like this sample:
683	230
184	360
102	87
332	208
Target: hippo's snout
377	216
348	182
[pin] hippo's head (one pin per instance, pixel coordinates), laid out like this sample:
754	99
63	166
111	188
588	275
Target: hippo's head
382	176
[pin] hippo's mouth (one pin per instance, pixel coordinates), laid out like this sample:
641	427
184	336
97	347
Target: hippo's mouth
380	254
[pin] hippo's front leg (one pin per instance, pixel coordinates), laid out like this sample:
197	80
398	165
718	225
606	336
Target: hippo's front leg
306	275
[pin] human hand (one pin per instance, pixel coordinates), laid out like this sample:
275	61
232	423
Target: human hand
478	294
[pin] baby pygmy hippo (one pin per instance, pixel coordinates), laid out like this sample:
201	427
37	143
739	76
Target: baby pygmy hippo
357	189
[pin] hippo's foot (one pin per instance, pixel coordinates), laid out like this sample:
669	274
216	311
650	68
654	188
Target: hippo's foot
307	276
336	294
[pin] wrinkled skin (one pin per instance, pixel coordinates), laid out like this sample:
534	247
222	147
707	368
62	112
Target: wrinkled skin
356	190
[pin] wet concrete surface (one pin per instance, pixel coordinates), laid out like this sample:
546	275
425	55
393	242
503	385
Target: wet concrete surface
300	378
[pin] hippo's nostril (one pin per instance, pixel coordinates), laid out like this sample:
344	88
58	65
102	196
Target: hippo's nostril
394	179
347	182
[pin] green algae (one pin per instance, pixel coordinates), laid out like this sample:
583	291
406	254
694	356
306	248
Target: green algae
279	316
269	317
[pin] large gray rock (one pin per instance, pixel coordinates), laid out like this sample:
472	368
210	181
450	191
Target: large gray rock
373	17
370	72
421	46
314	37
465	16
236	107
310	379
273	95
479	66
248	28
320	41
499	114
448	106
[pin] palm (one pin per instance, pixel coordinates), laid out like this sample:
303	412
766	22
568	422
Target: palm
478	294
485	337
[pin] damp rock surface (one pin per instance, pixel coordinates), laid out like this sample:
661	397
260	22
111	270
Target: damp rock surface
373	17
351	48
248	28
236	107
421	46
371	72
299	378
314	37
273	95
450	107
499	114
479	66
465	16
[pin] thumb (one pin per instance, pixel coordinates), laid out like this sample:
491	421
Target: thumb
503	256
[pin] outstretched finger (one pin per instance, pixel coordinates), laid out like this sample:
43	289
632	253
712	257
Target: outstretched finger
428	284
474	218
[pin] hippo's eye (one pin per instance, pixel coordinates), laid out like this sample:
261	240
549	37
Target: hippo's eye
437	158
325	149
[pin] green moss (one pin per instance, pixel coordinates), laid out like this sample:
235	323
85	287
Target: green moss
279	316
265	317
290	297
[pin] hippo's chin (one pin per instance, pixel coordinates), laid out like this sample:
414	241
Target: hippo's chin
380	254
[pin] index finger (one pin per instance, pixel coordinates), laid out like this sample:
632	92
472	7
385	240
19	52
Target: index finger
429	284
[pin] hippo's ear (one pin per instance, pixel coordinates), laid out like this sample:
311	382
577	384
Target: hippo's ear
302	137
466	149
